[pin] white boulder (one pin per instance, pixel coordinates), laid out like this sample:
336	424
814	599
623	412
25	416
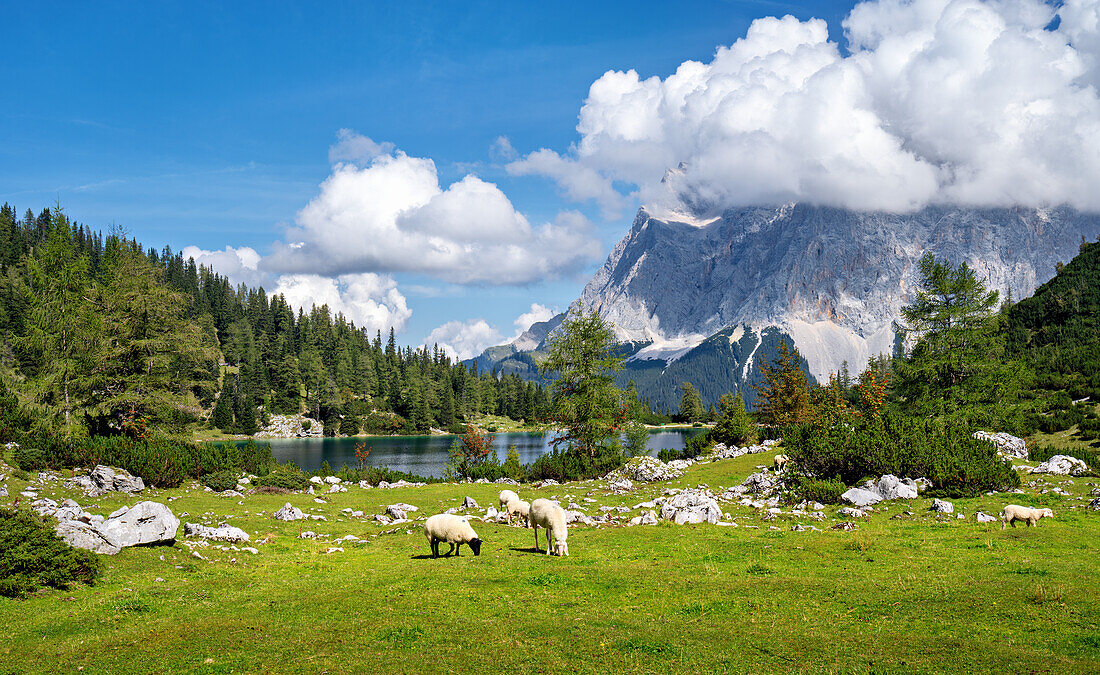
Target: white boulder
940	506
288	512
861	497
140	524
890	487
222	533
1007	444
691	506
1062	465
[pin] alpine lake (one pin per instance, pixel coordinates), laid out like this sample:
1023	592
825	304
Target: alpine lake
427	455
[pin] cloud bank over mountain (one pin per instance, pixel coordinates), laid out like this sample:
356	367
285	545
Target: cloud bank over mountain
936	101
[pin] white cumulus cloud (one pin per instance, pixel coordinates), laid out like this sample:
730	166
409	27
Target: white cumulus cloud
464	339
392	215
536	314
372	301
987	103
239	265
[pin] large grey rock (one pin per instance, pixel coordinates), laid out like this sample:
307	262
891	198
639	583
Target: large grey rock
120	480
982	517
288	512
469	503
691	506
141	524
761	483
1007	444
398	511
850	512
940	506
87	535
891	487
222	533
1062	465
861	497
1094	505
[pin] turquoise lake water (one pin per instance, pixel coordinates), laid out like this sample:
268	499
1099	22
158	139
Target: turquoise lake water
427	455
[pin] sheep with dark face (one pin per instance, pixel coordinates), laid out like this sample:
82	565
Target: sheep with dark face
455	530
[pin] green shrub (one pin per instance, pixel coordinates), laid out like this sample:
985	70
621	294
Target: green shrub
668	454
826	491
349	426
220	481
566	465
32	556
160	462
285	476
513	468
944	452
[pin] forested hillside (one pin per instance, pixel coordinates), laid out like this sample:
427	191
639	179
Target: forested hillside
100	335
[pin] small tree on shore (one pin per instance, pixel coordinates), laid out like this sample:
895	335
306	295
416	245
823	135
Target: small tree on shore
691	405
586	404
734	427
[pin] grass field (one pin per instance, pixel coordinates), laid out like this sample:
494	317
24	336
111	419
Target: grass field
902	592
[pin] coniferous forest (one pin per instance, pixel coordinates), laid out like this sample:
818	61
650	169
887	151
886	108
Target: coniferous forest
103	336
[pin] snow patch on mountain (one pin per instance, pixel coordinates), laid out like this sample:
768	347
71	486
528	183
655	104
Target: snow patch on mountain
668	350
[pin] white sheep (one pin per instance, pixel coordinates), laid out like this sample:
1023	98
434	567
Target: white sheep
1014	512
521	509
552	517
455	530
780	463
506	497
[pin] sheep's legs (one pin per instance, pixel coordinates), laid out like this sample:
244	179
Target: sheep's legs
536	538
434	543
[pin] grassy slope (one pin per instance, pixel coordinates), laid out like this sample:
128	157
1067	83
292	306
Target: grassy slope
908	593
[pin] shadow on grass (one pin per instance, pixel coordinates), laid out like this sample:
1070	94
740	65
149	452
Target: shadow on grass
530	549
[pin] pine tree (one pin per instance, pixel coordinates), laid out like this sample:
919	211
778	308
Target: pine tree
784	396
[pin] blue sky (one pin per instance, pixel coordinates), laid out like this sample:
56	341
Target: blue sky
209	124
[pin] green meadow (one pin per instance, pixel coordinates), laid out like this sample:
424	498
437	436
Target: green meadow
905	591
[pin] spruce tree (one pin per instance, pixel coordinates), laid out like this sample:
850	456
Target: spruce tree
222	418
691	405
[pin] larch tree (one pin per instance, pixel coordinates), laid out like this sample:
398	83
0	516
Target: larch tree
586	404
784	396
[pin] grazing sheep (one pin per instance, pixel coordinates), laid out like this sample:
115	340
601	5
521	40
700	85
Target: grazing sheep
780	463
551	516
455	530
1014	512
521	509
507	497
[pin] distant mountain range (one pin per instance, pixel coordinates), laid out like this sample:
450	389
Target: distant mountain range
707	301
